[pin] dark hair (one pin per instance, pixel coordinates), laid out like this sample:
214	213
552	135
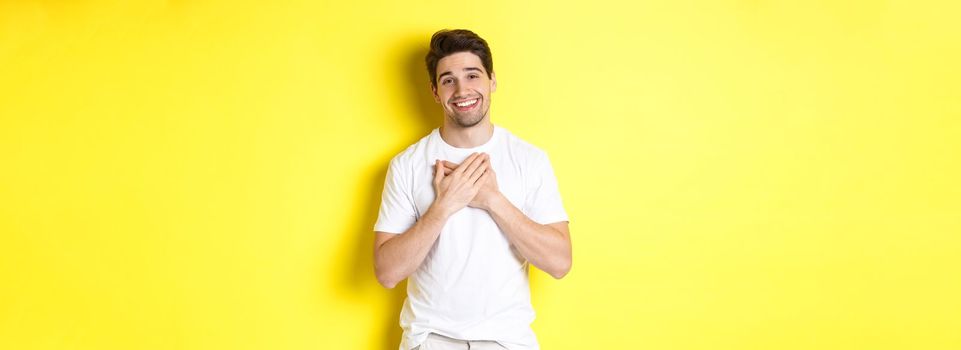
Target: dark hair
450	41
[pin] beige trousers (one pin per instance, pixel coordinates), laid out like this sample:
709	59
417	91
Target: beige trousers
439	342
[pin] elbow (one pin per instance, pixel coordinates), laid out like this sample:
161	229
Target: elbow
562	270
389	284
385	279
564	260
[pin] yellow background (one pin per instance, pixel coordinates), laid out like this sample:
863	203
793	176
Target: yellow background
739	174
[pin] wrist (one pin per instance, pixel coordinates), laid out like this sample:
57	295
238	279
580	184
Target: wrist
439	211
494	201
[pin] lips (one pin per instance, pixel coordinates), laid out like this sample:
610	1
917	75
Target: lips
466	105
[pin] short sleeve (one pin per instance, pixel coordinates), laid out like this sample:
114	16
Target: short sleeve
397	212
544	204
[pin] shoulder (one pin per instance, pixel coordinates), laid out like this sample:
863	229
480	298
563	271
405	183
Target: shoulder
524	150
405	159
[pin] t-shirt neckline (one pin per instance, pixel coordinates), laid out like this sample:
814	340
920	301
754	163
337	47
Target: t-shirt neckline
478	148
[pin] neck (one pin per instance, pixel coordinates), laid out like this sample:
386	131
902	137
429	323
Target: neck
471	137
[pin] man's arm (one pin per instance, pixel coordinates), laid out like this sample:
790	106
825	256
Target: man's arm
546	246
396	256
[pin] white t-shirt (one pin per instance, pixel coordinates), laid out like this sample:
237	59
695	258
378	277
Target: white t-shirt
473	284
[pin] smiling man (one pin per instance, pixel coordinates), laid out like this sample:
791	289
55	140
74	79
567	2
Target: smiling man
462	233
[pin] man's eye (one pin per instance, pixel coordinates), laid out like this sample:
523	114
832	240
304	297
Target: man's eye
473	76
447	81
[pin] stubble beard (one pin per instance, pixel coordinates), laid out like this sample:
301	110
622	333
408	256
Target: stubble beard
471	119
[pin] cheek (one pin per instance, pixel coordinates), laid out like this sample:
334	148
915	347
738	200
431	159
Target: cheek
445	95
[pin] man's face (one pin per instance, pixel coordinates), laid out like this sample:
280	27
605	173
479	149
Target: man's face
463	88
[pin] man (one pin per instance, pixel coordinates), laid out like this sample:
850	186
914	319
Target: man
461	232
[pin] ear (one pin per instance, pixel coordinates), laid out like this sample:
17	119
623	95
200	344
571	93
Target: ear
493	82
433	91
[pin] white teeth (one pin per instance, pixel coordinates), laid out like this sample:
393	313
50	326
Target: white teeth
466	103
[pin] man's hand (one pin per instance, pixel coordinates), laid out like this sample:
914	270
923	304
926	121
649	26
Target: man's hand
488	184
457	188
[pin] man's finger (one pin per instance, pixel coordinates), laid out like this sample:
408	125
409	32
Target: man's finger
470	159
484	177
476	164
481	170
438	174
447	165
450	165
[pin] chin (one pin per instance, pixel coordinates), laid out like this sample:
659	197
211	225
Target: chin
470	125
467	123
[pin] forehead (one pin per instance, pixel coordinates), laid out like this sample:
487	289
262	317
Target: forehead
455	63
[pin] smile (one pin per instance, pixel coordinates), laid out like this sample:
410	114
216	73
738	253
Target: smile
466	105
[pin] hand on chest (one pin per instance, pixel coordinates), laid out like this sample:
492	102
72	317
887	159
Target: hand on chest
510	177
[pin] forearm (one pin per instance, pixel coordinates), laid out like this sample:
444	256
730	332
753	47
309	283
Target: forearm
543	246
401	256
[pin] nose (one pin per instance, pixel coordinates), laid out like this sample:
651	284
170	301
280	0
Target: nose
460	90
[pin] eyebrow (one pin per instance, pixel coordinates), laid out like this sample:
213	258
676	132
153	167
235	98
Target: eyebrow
465	69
